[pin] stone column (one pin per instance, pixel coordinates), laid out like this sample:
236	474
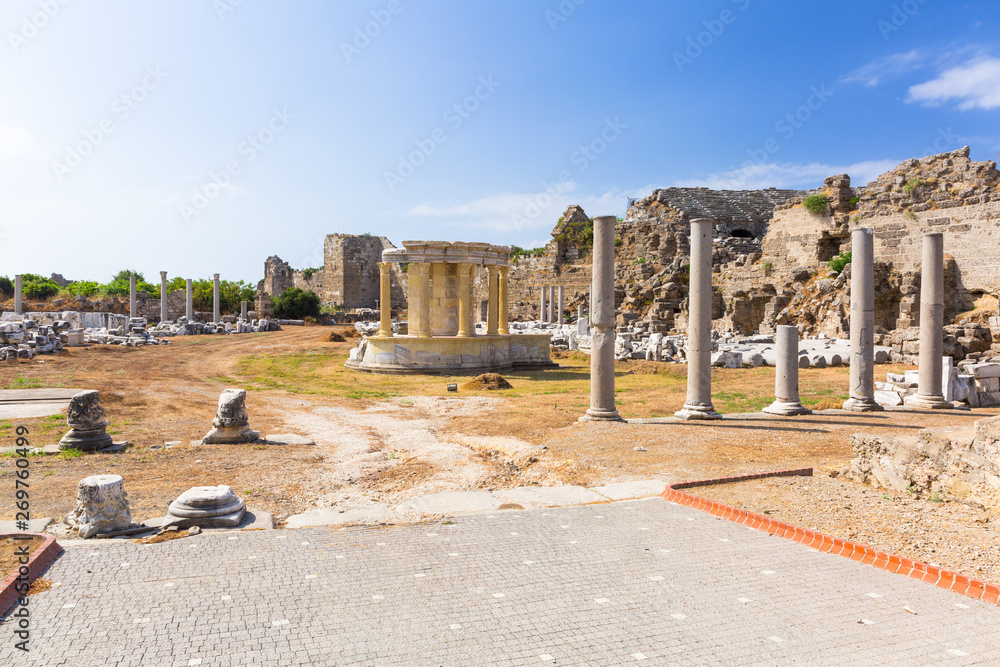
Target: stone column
559	308
786	378
216	310
243	311
464	300
424	306
131	296
541	312
189	309
929	393
18	295
602	314
699	352
503	309
862	391
163	296
385	299
579	312
492	316
552	304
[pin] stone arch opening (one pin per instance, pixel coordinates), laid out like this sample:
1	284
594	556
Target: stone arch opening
742	234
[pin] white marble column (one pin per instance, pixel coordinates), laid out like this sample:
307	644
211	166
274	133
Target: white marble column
786	378
163	296
18	295
216	309
243	311
131	296
504	307
189	301
602	314
465	300
552	304
385	299
579	312
929	394
862	390
492	316
699	352
542	314
560	320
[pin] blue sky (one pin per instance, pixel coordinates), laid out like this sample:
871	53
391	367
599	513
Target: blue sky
202	137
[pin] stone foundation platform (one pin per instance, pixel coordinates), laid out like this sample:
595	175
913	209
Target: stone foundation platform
452	355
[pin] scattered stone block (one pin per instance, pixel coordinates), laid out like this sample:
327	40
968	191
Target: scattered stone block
101	506
206	507
231	424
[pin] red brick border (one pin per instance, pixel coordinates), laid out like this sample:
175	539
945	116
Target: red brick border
38	562
957	583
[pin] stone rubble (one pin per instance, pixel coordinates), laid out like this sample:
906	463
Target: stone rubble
977	384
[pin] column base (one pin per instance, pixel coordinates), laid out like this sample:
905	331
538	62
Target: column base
385	334
862	405
601	416
786	409
692	412
927	402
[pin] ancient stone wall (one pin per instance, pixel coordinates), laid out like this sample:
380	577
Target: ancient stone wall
351	273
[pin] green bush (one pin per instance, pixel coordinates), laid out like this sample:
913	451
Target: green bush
840	261
854	201
580	234
816	203
516	252
294	304
6	286
86	288
38	287
308	273
912	185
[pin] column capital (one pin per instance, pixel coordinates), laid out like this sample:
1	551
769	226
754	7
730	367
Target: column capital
163	275
215	276
385	267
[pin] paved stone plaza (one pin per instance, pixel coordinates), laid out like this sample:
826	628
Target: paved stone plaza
631	582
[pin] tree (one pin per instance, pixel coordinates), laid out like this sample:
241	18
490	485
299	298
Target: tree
294	304
6	286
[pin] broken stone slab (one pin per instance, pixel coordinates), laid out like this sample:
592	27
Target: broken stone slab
532	497
628	490
286	439
888	398
207	507
34	525
984	370
453	502
372	514
253	519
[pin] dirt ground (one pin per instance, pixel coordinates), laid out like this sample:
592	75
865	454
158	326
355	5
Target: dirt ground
384	439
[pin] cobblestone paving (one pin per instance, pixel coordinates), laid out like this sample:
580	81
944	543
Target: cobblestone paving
644	582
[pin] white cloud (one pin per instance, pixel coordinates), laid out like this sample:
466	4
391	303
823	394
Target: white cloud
888	67
788	175
976	85
14	140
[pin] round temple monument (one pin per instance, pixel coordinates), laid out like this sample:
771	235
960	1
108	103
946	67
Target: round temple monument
442	336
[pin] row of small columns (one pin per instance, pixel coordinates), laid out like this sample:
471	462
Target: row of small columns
698	404
497	322
551	310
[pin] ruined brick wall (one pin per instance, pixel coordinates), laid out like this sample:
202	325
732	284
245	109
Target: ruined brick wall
351	273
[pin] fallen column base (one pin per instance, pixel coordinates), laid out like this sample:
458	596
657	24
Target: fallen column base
862	405
927	402
692	412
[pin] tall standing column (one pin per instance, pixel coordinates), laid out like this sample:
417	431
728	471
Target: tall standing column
131	296
504	306
786	378
602	311
189	301
18	295
424	305
163	296
929	394
216	310
541	311
559	309
492	317
552	304
862	391
385	299
699	352
243	311
464	300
